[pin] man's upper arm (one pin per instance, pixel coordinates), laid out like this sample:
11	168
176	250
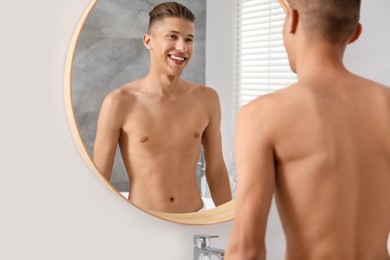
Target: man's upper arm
211	139
107	135
216	172
256	178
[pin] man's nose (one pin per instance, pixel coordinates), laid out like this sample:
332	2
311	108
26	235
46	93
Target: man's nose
181	45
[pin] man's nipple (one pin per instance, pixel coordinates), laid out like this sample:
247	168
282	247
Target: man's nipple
196	135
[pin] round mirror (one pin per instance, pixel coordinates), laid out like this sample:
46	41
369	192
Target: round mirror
107	52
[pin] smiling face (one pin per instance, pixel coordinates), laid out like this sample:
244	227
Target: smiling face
170	42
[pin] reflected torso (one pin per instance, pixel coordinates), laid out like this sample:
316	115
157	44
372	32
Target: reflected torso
160	142
333	187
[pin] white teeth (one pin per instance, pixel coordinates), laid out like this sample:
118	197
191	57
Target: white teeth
177	58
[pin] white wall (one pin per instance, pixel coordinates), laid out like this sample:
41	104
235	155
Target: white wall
52	206
370	56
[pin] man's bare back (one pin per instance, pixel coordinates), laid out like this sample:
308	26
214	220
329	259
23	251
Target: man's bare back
321	147
331	185
331	150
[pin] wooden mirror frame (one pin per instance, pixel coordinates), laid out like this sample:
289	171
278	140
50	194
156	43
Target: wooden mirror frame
284	4
219	214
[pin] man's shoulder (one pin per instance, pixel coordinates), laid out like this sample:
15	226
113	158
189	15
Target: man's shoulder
124	93
201	91
120	98
273	110
379	86
276	100
368	89
200	88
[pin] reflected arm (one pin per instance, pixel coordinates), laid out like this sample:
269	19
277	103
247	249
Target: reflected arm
256	179
107	136
216	172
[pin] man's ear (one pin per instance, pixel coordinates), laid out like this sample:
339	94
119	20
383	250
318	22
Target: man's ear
356	34
293	20
147	41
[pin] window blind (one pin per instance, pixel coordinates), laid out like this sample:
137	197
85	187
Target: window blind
262	63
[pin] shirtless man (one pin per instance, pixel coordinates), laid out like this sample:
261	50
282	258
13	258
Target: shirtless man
160	122
322	146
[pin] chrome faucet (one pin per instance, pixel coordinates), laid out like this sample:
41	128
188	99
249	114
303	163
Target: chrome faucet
203	250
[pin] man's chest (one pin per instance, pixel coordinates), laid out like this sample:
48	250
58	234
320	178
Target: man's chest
166	126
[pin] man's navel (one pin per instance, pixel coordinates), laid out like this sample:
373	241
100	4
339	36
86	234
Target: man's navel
144	139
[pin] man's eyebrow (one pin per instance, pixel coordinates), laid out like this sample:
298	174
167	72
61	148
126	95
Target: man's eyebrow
173	31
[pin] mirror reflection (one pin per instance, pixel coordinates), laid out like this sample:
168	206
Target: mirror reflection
149	123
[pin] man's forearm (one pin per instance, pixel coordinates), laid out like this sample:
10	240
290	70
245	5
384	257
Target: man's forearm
219	187
238	249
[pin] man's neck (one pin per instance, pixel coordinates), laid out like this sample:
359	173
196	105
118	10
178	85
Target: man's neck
319	61
163	84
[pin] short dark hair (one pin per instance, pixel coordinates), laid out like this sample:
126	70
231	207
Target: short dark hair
332	20
169	9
